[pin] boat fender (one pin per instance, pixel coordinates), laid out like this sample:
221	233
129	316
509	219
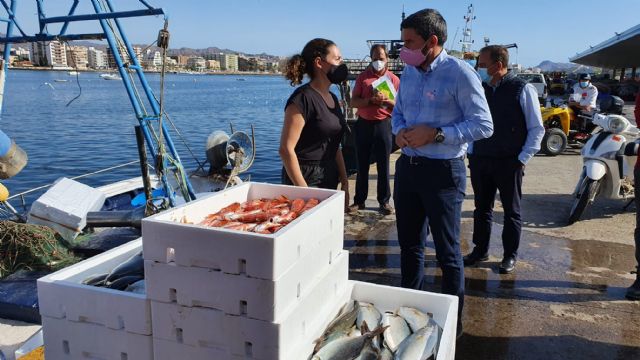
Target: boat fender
4	193
12	157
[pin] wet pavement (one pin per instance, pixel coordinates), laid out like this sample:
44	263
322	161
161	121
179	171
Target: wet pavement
565	299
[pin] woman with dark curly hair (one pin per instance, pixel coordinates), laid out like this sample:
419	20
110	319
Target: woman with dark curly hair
313	120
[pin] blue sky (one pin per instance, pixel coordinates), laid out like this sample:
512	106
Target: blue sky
543	29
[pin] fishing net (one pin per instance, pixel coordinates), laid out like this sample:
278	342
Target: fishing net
31	247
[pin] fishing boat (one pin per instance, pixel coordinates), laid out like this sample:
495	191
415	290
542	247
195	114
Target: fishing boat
117	218
110	77
72	73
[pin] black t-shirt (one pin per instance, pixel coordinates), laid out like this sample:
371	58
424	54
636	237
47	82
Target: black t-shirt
323	126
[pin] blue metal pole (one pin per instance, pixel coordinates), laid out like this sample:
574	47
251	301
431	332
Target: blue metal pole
151	98
125	79
7	52
112	15
71	11
127	82
44	37
41	15
12	14
7	46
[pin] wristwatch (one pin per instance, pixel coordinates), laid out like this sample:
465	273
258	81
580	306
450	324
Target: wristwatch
439	138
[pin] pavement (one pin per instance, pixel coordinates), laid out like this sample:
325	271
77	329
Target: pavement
565	299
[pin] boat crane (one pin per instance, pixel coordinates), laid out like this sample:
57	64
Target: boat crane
149	113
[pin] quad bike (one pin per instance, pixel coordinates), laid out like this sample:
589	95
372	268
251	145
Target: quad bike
565	127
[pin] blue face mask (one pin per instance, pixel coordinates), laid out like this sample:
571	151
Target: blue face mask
584	84
484	75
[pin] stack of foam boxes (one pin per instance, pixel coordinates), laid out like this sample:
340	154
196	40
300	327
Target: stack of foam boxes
224	294
82	321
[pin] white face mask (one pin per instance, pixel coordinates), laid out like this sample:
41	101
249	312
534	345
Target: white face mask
378	65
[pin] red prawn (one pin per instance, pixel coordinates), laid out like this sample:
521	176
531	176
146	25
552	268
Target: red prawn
309	205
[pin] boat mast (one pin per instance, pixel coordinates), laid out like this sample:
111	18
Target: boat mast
467	41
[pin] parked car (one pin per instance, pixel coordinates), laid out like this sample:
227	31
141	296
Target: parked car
537	80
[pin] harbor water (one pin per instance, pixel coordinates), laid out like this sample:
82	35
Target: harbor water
96	130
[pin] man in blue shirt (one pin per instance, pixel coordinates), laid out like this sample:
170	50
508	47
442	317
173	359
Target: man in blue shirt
497	163
440	108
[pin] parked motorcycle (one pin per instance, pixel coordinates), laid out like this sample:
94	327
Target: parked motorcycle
608	159
565	127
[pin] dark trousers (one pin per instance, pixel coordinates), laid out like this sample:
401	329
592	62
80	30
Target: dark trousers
373	138
430	192
317	174
636	182
489	175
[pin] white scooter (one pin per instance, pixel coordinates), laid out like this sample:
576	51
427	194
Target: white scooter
609	159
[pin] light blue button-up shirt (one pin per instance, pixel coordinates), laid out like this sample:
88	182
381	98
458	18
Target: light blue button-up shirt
448	95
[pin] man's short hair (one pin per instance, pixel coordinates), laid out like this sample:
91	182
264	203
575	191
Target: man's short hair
427	22
497	53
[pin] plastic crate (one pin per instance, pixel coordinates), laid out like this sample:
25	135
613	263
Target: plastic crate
169	240
61	295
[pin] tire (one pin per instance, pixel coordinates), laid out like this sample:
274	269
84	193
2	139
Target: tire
587	190
554	142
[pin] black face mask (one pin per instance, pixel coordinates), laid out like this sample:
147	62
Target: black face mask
338	73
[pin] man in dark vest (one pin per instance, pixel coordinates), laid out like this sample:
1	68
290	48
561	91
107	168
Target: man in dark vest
497	163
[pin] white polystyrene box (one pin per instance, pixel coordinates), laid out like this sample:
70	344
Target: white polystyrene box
171	350
65	339
203	330
64	207
443	307
242	295
257	255
62	295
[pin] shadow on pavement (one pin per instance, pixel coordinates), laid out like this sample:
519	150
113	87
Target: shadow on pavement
564	347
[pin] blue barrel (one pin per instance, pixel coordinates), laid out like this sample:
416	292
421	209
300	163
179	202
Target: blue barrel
5	144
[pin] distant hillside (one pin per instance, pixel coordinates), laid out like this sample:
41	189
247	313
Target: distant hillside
213	50
547	66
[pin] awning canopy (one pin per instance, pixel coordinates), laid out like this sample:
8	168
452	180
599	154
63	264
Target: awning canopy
621	51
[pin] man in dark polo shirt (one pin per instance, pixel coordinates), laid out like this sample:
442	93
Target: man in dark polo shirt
497	163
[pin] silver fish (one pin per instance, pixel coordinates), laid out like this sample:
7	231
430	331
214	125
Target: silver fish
396	332
385	354
414	317
340	326
367	312
369	352
421	344
354	332
346	348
